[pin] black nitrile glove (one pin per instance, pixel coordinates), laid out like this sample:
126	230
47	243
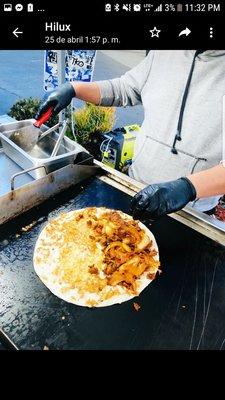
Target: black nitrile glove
58	99
160	199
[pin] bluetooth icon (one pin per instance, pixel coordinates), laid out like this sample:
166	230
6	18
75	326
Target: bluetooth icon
117	7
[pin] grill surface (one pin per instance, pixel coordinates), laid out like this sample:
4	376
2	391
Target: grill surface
182	309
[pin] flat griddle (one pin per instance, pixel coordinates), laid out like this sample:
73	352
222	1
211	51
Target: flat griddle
183	308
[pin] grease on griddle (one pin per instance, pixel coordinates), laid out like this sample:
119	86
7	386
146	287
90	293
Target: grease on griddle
136	306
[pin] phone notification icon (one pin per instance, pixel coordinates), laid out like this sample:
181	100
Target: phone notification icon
18	7
7	7
30	7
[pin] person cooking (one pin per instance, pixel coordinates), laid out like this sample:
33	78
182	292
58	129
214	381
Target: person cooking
179	148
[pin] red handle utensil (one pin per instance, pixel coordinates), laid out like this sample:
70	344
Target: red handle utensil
45	117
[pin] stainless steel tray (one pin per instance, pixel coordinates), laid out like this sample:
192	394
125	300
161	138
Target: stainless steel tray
40	154
8	168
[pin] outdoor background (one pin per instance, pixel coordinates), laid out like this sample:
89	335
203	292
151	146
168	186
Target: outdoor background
21	76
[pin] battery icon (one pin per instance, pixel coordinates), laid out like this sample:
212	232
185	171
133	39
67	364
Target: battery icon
179	7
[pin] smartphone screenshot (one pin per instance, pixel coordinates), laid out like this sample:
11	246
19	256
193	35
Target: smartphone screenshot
112	175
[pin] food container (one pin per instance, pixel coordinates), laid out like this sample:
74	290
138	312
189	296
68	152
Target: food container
41	152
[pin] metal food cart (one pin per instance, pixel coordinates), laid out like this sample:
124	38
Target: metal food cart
183	308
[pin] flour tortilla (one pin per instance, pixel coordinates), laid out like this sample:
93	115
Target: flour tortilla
44	268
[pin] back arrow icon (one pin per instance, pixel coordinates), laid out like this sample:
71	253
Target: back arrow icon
185	32
17	33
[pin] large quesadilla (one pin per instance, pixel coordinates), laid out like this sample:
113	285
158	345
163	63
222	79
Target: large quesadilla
96	257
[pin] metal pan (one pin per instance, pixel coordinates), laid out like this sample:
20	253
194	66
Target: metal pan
41	153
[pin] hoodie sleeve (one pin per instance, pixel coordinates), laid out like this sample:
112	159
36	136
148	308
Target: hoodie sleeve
126	90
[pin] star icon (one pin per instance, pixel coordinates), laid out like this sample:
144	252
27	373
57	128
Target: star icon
155	32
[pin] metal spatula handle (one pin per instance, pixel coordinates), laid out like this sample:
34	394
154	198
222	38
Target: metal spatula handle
60	138
43	134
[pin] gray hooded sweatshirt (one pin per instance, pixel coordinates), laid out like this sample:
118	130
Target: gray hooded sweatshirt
159	83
